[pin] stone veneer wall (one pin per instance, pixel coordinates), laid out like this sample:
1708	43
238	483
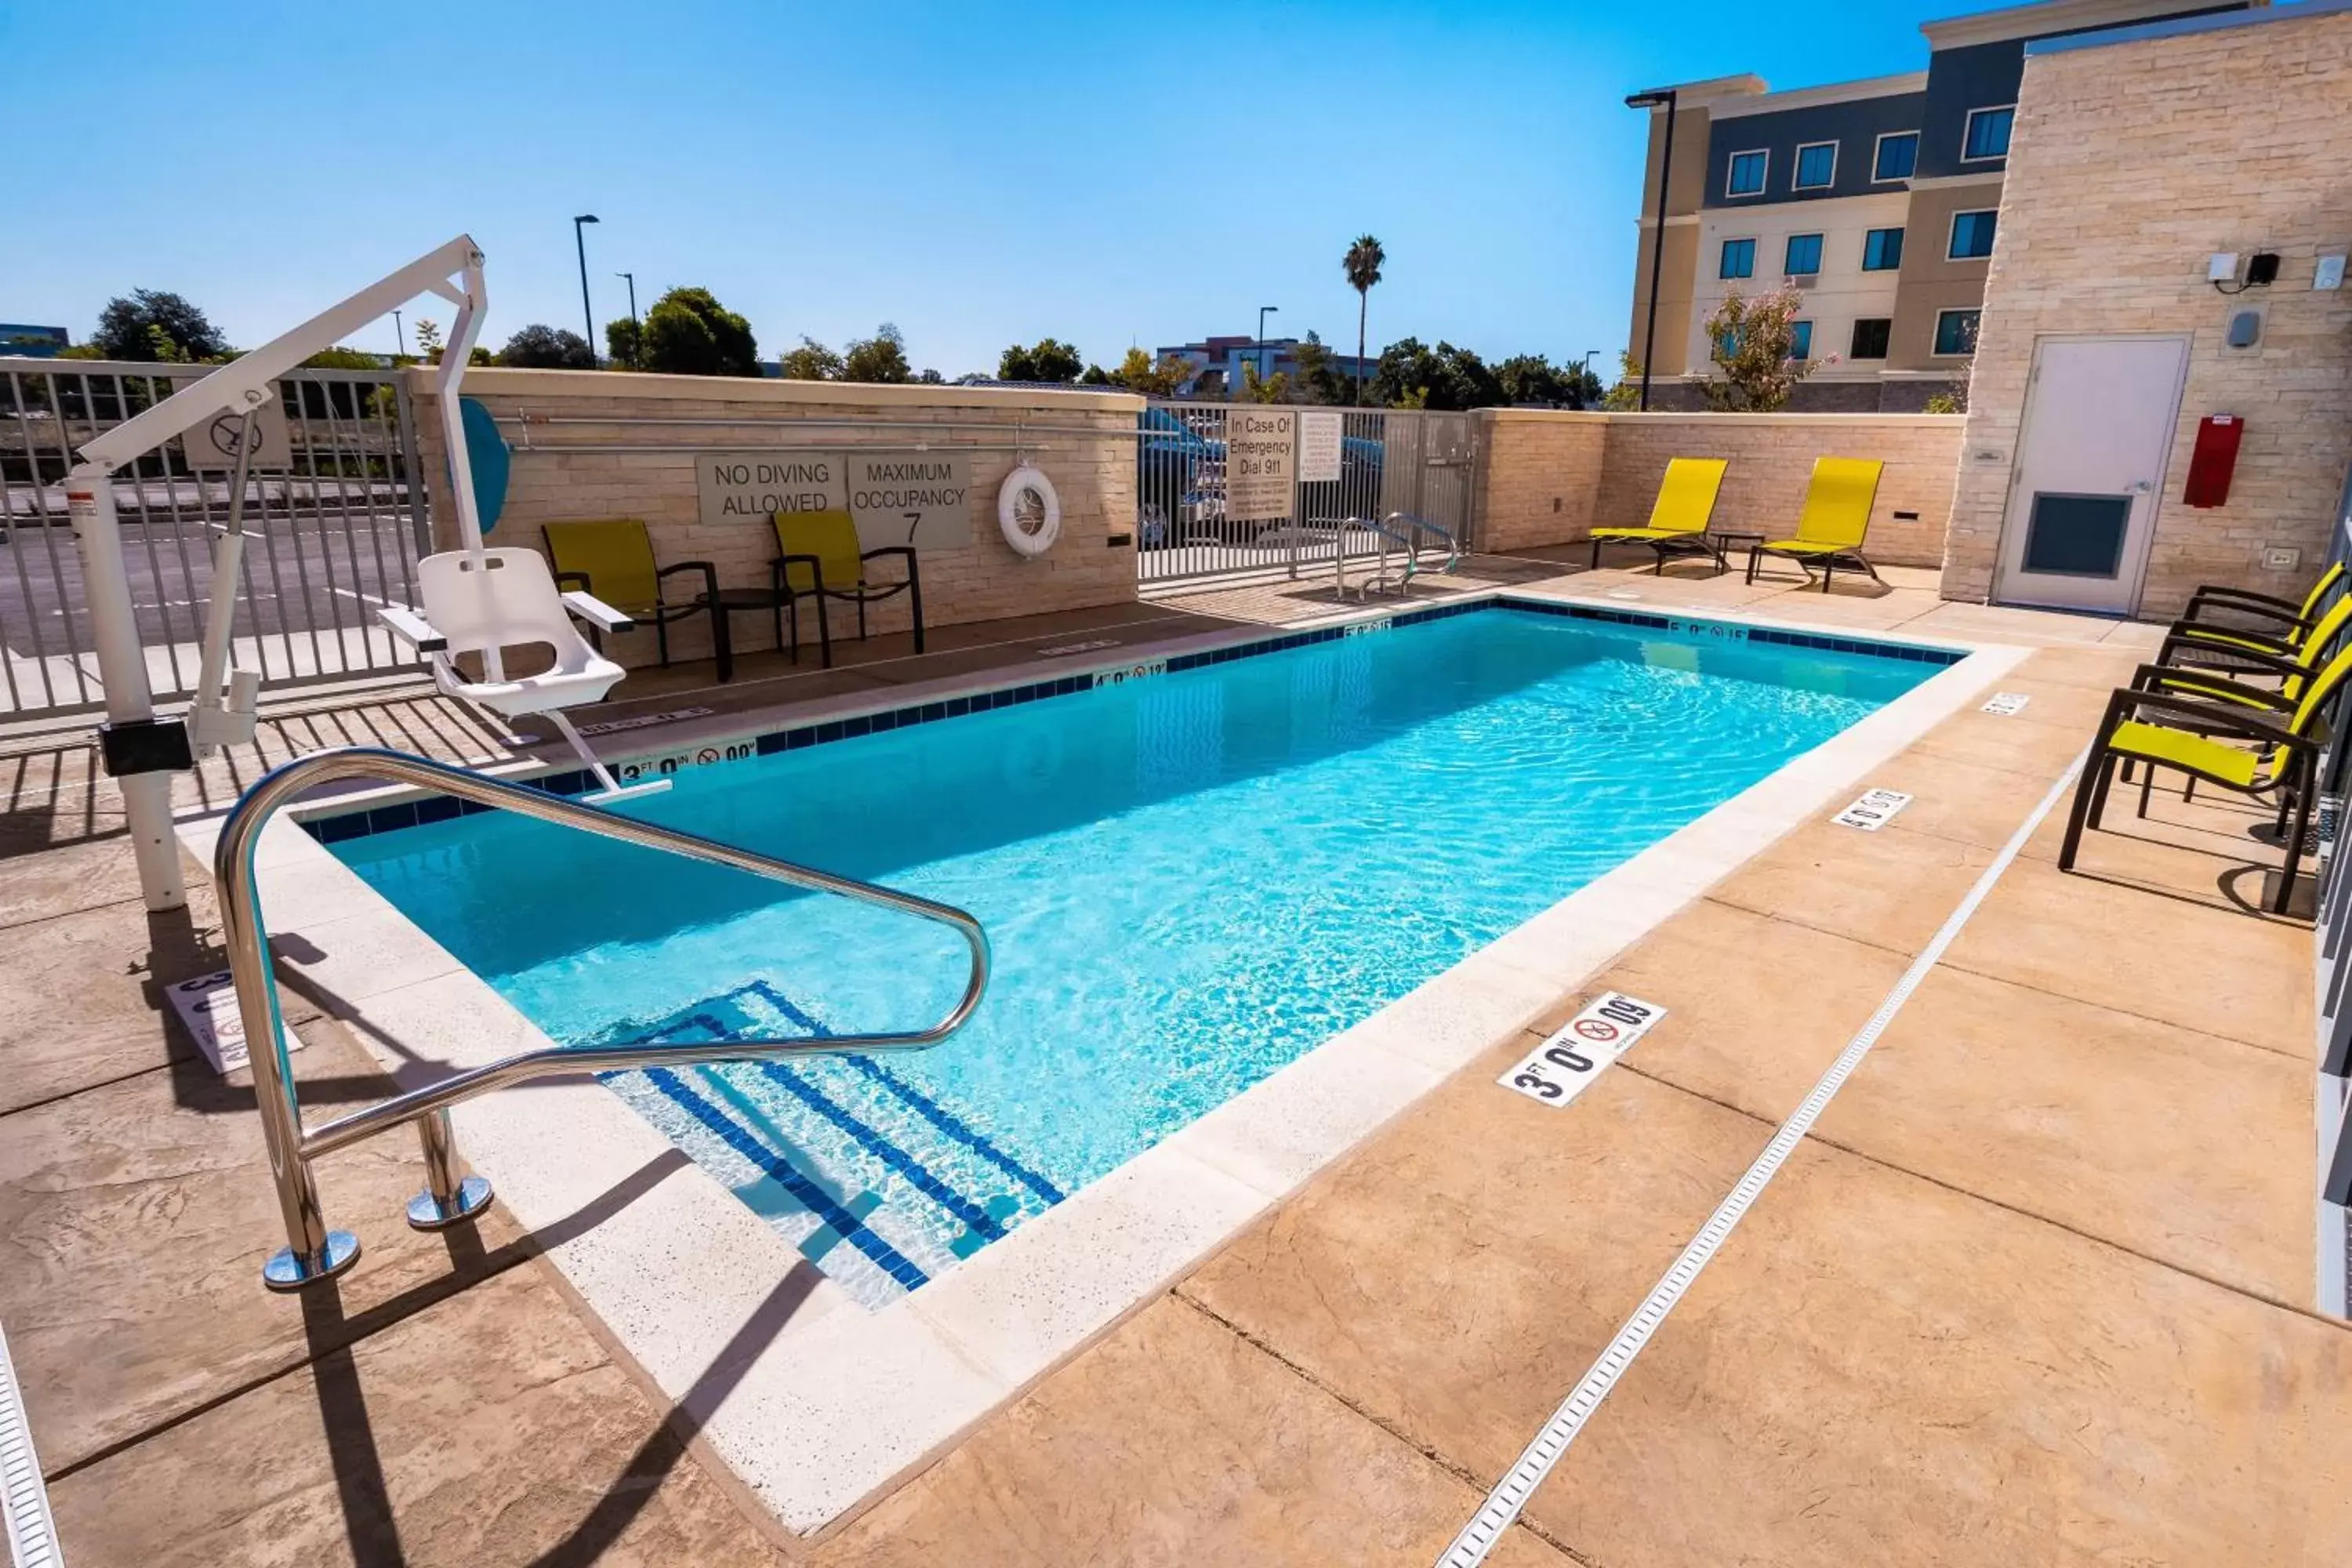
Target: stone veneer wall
1551	477
1093	474
2132	162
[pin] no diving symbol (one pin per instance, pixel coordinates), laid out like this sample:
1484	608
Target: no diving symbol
1600	1029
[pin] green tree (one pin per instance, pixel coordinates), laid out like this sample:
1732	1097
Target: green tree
690	332
1048	360
1443	377
1532	380
541	347
1138	374
1319	381
344	359
811	362
1256	388
1362	265
625	341
1752	342
156	326
880	358
1627	396
427	333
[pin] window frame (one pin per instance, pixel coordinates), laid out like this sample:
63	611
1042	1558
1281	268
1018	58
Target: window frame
1894	266
1853	347
1877	148
1797	168
1968	127
1750	241
1935	348
1732	169
1821	253
1801	339
1952	234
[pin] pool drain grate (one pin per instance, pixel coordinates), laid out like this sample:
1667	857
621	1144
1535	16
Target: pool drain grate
1519	1483
24	1503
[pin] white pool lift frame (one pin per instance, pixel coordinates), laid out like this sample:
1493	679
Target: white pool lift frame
141	751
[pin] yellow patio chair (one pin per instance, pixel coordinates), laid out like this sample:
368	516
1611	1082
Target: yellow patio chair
613	557
1836	522
2290	621
817	557
2249	742
1680	517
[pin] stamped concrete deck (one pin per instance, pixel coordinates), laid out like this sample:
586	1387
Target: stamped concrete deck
2036	1290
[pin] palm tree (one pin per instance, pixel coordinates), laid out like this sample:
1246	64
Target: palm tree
1362	266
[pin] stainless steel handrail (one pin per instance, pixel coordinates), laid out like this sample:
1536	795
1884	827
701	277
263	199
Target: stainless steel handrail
1386	531
313	1252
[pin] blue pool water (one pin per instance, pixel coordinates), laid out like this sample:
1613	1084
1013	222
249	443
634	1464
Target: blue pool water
1188	880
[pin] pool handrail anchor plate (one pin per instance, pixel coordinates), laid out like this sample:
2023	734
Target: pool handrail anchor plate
313	1252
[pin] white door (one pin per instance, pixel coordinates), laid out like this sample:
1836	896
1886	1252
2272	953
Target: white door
2099	418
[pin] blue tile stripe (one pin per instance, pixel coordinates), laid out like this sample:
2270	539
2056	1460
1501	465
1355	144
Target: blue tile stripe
579	781
953	1126
945	1120
806	1192
915	1173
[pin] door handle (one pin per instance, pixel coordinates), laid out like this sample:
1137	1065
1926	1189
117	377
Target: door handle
2143	486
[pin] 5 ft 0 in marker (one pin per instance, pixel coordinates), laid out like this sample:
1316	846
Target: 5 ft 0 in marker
1558	1070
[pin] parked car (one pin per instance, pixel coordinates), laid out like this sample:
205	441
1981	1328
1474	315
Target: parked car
1180	481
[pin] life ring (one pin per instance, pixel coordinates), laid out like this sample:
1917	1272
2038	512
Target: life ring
1028	511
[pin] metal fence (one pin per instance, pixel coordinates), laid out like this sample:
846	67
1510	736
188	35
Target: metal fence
1391	461
335	520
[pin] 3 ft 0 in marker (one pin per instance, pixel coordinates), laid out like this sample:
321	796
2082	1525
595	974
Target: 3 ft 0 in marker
1558	1070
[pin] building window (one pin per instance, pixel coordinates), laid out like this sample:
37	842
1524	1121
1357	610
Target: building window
1738	259
1971	236
1988	134
1956	331
1898	155
1816	166
1870	336
1801	339
1882	250
1804	254
1746	177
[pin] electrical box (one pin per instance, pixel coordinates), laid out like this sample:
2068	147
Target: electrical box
2261	268
2214	459
2330	274
2222	268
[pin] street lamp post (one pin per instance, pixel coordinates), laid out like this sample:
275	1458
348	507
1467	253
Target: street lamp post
399	337
1263	370
1660	98
632	295
580	243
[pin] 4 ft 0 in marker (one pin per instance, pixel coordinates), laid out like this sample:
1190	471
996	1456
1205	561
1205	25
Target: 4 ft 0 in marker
1558	1070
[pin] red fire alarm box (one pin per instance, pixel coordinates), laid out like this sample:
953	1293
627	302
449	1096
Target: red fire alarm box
2214	460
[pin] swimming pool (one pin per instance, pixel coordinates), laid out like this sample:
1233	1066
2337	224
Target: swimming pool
1190	880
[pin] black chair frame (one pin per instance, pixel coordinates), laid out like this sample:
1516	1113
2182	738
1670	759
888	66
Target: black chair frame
788	597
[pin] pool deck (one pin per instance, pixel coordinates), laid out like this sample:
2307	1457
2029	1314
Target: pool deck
2037	1288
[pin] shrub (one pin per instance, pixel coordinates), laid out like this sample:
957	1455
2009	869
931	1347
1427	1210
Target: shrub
538	347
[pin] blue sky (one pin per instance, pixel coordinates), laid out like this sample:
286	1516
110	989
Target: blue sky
1108	174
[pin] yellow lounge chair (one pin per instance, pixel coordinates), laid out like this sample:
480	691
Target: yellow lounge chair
1679	520
613	557
2270	755
1836	522
2290	621
817	557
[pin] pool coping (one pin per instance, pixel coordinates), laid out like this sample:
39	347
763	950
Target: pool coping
815	1404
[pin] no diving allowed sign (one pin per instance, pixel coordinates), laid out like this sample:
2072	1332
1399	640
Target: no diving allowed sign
1558	1070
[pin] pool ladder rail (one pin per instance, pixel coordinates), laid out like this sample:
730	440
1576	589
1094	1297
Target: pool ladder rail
313	1252
1400	527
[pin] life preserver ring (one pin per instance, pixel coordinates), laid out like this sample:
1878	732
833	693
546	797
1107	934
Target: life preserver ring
1028	511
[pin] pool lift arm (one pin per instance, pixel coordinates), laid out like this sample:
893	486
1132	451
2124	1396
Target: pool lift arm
138	749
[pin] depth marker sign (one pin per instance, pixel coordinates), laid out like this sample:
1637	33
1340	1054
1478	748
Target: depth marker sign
1558	1070
1874	811
207	1007
2006	704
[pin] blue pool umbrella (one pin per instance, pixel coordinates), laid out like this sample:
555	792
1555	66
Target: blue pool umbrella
485	456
